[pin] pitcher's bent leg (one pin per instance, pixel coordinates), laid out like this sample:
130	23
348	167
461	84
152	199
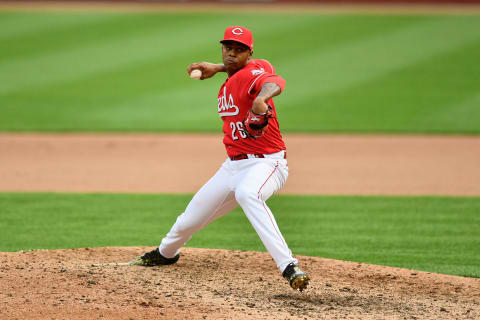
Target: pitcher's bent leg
213	199
259	183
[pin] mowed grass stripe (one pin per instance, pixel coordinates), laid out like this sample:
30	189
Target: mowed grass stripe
352	63
80	31
195	101
163	81
169	36
151	87
289	46
111	53
437	234
460	115
436	93
14	25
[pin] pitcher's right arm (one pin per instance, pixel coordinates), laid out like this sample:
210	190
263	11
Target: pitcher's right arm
208	69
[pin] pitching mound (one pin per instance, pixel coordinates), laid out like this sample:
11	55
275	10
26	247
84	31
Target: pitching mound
220	284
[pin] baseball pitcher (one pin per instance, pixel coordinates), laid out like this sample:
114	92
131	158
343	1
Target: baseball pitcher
256	166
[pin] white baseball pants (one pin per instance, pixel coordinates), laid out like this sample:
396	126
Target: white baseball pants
248	183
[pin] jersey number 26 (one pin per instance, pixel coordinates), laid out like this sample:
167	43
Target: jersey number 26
237	127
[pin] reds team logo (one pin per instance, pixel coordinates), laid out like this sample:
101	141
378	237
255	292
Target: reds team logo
227	108
237	31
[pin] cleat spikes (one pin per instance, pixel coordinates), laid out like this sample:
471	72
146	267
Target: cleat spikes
300	283
153	258
297	278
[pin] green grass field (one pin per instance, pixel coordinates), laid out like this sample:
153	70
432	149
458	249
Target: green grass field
345	73
438	234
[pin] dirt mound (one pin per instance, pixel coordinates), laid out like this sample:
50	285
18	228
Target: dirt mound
220	284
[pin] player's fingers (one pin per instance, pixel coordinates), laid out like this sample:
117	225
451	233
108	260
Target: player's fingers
206	75
191	67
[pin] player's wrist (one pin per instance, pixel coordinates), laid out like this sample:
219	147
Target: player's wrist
259	113
259	106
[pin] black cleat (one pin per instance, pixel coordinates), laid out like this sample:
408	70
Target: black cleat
153	258
297	278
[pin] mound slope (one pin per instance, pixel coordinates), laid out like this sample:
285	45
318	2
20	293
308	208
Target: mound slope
93	283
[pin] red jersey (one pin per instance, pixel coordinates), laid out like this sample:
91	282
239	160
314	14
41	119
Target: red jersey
236	97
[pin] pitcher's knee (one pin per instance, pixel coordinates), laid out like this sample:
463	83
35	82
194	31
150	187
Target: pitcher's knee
243	195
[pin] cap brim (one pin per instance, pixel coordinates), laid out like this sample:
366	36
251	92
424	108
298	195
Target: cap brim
236	40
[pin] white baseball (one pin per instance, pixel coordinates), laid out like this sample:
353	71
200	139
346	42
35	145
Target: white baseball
195	74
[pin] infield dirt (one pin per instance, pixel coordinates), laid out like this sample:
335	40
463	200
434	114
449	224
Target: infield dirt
382	165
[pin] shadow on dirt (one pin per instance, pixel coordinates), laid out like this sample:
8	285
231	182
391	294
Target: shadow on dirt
332	300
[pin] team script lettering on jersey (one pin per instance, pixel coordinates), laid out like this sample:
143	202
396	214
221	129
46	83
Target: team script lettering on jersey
225	107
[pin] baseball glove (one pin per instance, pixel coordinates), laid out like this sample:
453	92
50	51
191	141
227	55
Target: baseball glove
256	124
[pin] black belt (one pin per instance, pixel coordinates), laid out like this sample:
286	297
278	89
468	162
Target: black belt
243	156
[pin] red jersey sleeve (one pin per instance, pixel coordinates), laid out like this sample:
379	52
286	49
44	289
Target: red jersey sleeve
267	75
